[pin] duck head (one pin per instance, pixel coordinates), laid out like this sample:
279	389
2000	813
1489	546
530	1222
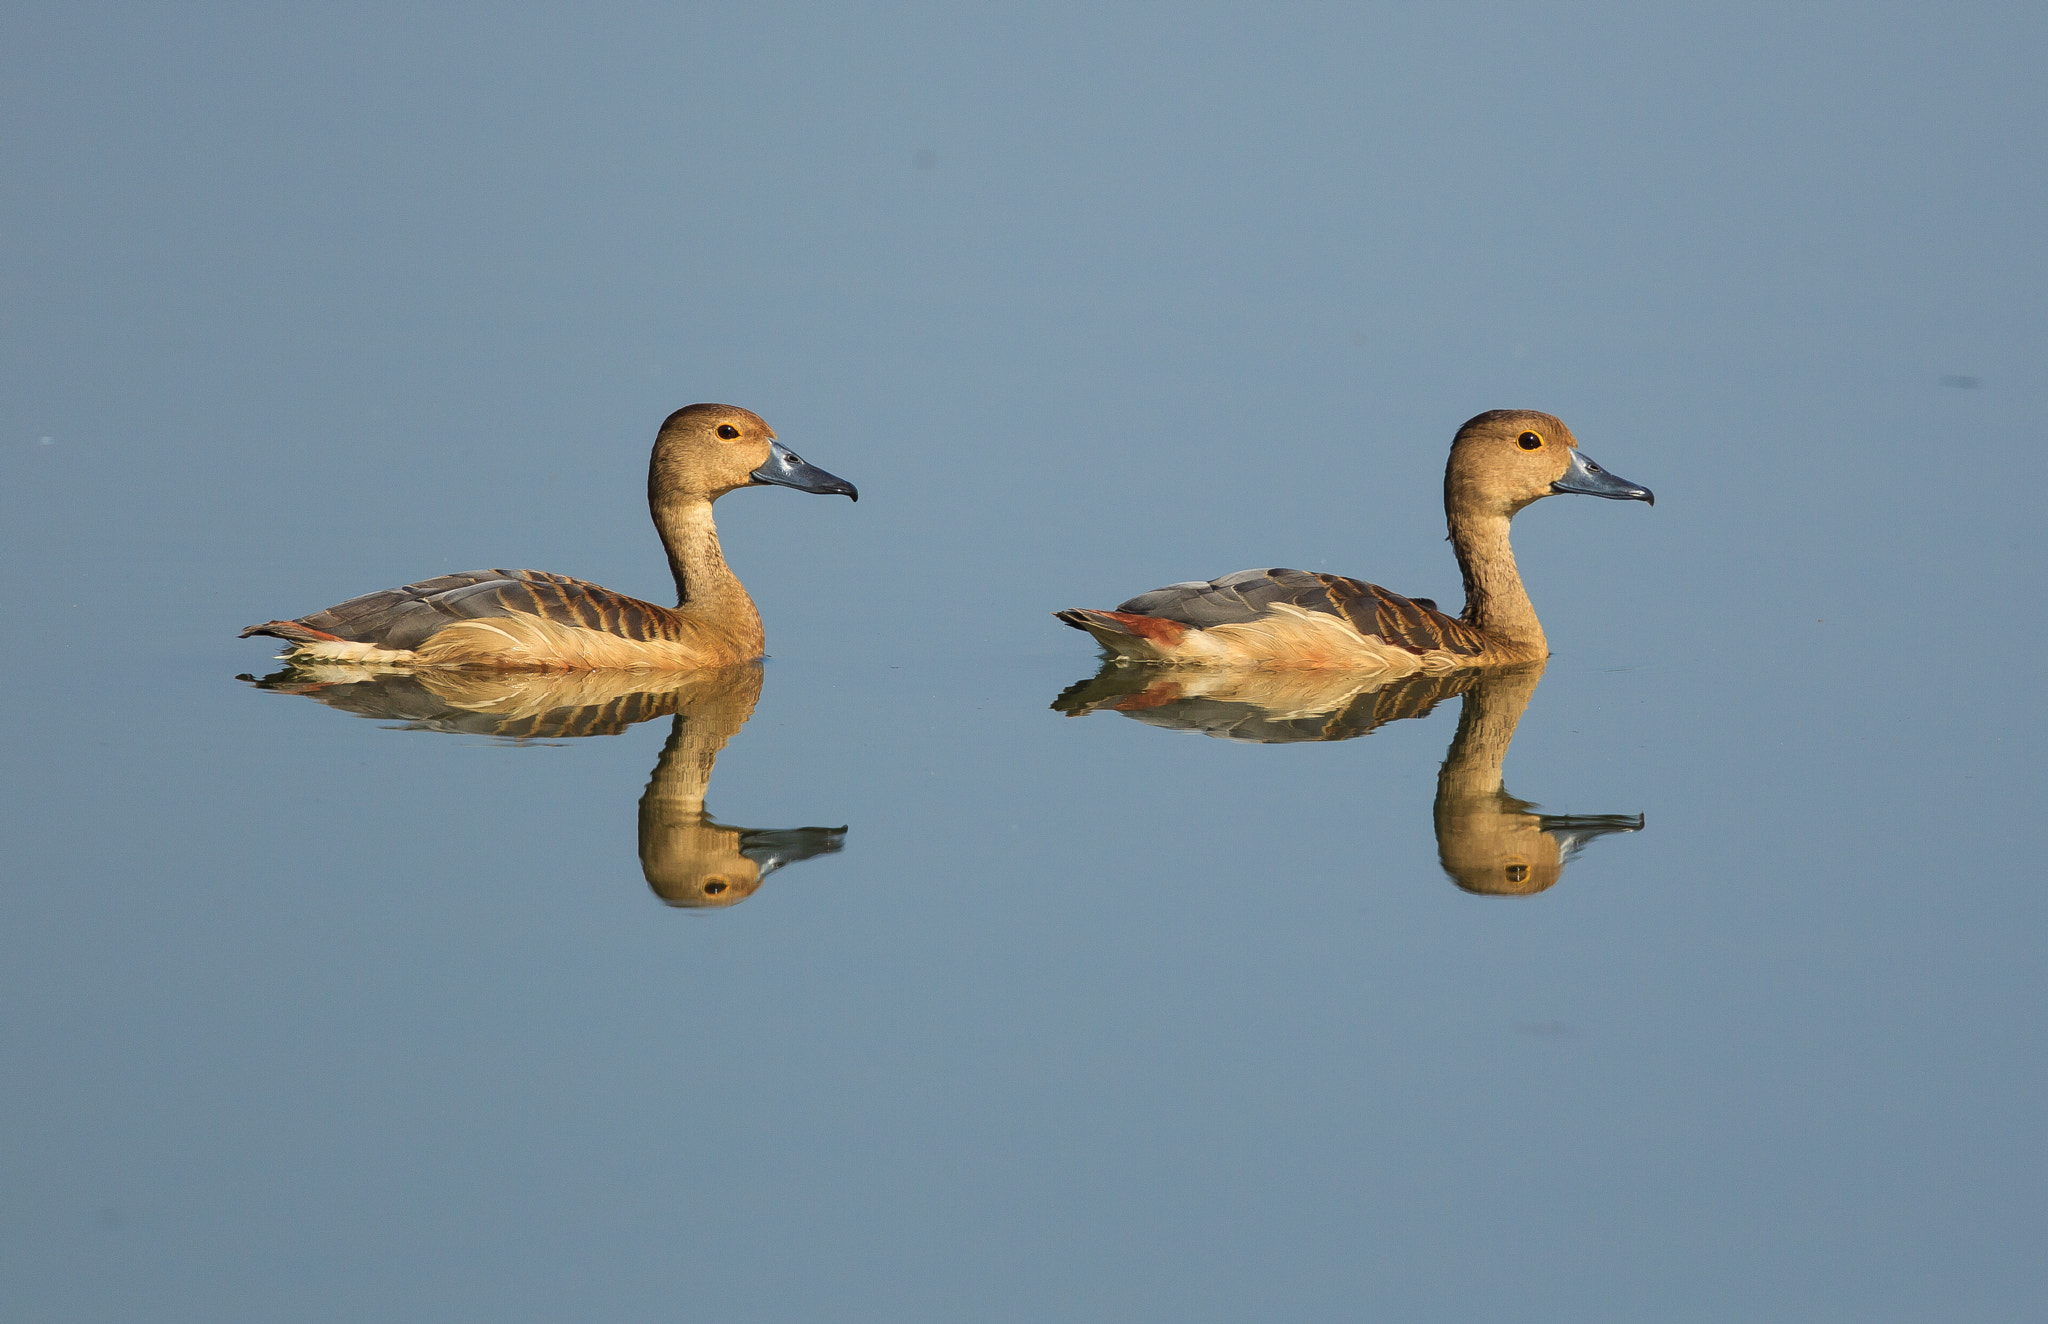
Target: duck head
1506	458
709	450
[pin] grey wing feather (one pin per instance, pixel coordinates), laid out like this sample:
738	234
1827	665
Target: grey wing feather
1244	596
1411	623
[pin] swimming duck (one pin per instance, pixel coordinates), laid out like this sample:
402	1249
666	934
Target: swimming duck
530	620
1500	462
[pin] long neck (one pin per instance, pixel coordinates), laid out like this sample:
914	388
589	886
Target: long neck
705	586
1495	600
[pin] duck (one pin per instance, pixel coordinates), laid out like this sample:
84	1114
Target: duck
1501	461
531	620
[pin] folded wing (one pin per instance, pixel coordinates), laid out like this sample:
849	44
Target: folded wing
1411	623
407	616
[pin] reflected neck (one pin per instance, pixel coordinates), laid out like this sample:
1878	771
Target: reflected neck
1486	726
682	776
679	846
1488	841
710	712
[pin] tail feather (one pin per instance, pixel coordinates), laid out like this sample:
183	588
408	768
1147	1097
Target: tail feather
1128	634
291	630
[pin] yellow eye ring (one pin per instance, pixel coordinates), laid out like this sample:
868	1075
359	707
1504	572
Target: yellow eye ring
728	431
1530	441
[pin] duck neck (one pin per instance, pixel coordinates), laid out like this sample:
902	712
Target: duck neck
705	586
1495	601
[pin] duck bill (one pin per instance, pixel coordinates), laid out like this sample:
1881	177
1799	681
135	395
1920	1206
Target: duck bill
786	469
1585	478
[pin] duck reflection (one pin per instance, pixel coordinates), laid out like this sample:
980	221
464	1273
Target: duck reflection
1488	841
690	859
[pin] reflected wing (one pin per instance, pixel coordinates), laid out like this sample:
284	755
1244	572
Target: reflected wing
521	705
1412	623
1261	707
407	616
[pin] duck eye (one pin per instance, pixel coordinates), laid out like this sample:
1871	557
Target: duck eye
728	431
1530	441
1519	873
714	887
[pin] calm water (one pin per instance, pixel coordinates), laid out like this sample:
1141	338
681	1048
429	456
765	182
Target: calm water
922	973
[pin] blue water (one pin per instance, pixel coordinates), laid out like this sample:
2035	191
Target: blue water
320	1016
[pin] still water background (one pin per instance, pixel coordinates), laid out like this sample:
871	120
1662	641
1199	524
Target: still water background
311	1018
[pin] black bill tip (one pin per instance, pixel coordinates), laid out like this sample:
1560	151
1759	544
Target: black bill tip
1585	478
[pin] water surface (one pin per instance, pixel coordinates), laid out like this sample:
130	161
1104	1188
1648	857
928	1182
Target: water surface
1695	978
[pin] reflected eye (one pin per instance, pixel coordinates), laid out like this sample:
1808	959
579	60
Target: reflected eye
713	888
1530	441
1519	873
728	431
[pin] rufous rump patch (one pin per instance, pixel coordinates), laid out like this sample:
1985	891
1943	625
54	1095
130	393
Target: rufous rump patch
1158	630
